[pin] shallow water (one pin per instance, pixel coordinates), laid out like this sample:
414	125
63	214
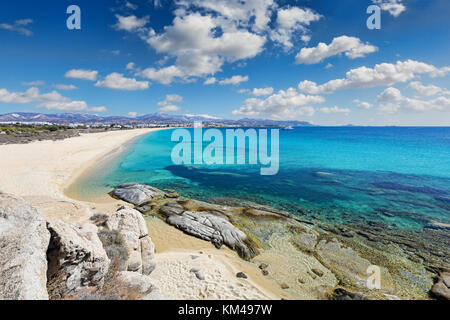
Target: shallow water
397	176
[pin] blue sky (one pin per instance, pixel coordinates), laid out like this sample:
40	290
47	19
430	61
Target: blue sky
312	60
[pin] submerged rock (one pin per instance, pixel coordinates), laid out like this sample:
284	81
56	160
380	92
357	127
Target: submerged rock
141	251
76	258
24	239
208	226
135	193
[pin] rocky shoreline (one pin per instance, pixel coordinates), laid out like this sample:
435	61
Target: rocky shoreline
111	256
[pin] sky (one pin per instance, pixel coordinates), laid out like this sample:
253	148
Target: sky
308	60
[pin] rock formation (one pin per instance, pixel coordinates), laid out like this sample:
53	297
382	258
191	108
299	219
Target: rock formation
208	226
24	240
131	225
136	194
76	258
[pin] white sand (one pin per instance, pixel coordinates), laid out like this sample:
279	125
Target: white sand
40	172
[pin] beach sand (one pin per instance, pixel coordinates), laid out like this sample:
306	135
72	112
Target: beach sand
41	171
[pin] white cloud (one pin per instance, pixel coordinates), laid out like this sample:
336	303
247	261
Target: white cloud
362	104
132	114
350	46
426	91
392	101
117	81
130	66
234	80
51	101
384	74
18	26
163	76
209	81
130	23
82	74
262	91
130	5
207	116
335	109
290	20
168	105
394	7
286	104
66	87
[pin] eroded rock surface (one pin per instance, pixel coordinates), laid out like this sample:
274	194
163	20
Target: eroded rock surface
208	226
141	251
441	289
135	193
76	258
24	239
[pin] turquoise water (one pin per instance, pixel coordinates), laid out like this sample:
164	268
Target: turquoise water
398	176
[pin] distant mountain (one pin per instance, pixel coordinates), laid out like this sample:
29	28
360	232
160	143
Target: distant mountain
155	118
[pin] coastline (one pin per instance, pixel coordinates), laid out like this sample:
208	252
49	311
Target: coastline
43	184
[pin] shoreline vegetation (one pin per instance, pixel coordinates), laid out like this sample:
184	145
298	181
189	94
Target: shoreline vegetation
162	245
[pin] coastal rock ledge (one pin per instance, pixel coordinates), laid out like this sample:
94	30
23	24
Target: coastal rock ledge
24	239
135	193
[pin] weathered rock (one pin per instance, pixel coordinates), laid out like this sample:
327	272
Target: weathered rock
137	286
135	193
24	239
318	272
441	289
241	275
76	258
209	227
198	273
172	195
131	225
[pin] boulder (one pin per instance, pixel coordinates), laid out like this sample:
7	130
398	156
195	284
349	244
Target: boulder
76	258
208	226
137	286
141	251
135	193
24	239
441	289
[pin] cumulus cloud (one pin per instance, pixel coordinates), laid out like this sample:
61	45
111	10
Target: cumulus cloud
169	104
291	20
335	109
384	74
51	101
209	81
394	7
234	80
206	34
132	114
117	81
286	104
392	100
131	23
262	91
130	66
426	91
82	74
19	26
362	104
350	46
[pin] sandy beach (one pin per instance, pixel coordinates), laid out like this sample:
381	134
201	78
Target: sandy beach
41	171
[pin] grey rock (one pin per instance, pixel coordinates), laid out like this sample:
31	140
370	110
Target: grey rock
24	239
209	227
141	251
76	258
135	193
342	294
241	275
